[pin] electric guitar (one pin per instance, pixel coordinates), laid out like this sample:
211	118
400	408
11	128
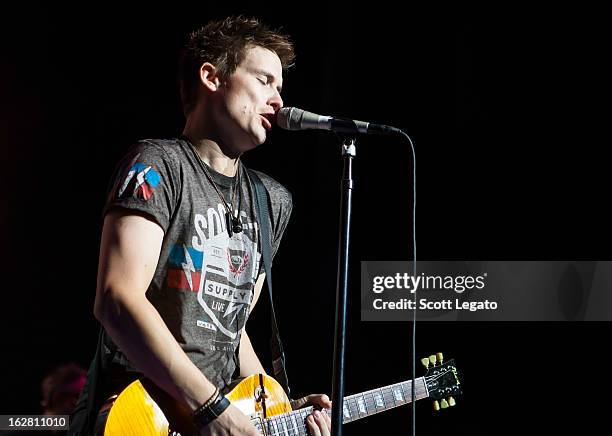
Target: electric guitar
143	409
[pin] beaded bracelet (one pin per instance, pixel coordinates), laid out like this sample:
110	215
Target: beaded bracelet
210	410
208	402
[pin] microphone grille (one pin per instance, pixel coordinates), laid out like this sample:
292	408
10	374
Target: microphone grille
289	118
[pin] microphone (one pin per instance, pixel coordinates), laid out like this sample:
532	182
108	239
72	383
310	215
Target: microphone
292	118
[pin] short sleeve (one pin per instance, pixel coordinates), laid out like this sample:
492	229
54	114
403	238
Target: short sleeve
146	180
281	214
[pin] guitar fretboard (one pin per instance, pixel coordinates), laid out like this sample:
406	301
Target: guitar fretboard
355	407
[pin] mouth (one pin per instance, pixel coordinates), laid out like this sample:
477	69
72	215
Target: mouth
267	120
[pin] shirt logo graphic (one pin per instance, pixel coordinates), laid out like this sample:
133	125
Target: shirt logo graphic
140	182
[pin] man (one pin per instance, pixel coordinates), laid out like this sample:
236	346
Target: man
179	267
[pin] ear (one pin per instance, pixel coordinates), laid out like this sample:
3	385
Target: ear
208	76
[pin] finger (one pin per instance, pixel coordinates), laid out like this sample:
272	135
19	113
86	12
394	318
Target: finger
319	400
327	421
313	428
325	401
321	423
299	403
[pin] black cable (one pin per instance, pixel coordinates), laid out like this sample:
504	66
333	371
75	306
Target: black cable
413	389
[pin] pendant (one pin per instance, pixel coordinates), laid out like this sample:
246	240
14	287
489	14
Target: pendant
232	224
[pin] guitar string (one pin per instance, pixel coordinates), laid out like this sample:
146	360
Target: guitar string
369	404
383	394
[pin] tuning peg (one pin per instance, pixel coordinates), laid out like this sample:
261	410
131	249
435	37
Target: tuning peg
440	357
425	362
436	405
432	359
451	401
444	404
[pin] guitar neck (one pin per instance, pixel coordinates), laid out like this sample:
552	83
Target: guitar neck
378	400
355	407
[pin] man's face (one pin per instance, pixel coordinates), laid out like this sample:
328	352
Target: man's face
250	98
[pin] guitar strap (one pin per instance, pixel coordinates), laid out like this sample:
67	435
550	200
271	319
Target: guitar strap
83	418
262	210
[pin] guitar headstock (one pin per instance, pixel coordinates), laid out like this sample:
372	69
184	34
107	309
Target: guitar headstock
442	380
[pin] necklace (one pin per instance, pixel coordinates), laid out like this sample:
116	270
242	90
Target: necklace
232	221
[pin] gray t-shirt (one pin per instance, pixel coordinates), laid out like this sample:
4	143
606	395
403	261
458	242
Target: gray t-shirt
203	283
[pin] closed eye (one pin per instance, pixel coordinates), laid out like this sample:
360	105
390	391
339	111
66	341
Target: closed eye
267	79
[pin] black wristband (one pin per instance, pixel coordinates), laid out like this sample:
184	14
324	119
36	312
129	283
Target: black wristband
205	415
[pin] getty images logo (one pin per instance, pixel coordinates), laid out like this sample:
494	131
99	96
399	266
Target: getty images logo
404	281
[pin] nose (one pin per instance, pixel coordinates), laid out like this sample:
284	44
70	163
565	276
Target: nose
275	101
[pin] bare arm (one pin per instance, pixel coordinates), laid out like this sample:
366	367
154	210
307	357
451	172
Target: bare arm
129	254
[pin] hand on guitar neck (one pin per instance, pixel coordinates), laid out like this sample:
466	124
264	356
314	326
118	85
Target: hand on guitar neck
234	422
318	423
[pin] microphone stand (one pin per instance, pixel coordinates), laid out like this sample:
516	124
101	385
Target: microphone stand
348	153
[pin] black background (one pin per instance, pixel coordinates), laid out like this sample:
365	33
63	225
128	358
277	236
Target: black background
502	105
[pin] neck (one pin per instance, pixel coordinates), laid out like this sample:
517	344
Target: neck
203	134
212	155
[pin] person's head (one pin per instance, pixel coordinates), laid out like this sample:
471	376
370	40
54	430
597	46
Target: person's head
61	388
231	72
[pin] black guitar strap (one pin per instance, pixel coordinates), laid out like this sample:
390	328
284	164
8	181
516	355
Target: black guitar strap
262	210
83	418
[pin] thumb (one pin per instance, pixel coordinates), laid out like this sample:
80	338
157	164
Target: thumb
299	403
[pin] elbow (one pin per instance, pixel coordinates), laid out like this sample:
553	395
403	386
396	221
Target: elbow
101	306
109	307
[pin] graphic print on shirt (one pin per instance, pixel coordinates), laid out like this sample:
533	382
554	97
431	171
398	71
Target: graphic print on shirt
182	272
222	270
140	181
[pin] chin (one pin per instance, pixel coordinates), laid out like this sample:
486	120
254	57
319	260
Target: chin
253	142
258	138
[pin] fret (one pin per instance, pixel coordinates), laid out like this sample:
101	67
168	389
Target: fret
355	406
274	425
361	405
345	411
407	388
348	402
397	393
293	429
419	390
370	402
389	394
378	400
282	428
294	423
388	398
279	424
303	415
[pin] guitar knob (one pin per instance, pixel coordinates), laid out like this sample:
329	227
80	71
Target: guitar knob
432	359
451	401
425	362
444	404
436	405
440	357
